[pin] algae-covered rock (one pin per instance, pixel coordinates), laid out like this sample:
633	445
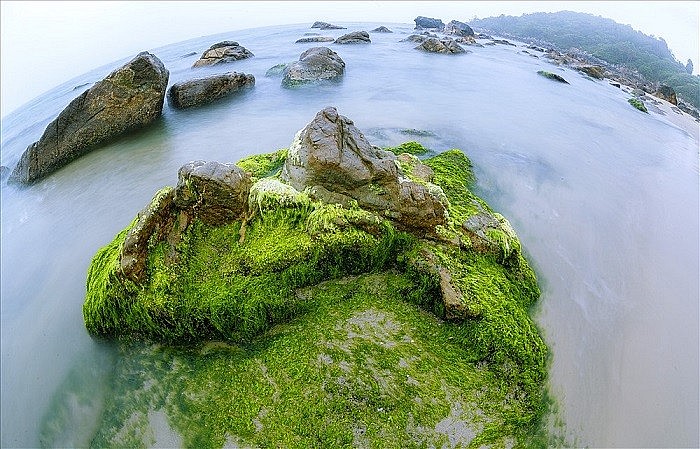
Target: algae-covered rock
129	98
552	76
290	292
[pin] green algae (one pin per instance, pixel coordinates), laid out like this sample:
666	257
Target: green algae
552	76
263	165
638	104
411	147
289	371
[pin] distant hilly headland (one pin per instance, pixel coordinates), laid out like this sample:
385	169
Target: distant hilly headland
644	60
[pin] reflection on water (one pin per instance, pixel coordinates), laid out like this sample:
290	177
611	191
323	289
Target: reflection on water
605	200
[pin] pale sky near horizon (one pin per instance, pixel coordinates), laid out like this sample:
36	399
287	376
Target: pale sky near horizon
44	44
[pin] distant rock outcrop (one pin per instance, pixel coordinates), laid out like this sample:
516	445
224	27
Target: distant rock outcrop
458	29
593	71
226	51
332	153
130	97
205	90
427	22
667	93
447	46
356	37
305	40
381	29
315	64
552	76
326	26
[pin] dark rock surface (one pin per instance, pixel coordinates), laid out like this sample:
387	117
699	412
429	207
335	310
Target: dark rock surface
356	37
552	76
226	51
381	29
446	46
458	28
130	97
315	64
4	172
427	22
332	153
205	90
326	26
304	40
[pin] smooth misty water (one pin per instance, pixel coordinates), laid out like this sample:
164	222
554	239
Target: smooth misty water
604	198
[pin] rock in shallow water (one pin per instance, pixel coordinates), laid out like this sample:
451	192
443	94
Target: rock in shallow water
446	46
357	37
315	64
205	90
128	98
226	51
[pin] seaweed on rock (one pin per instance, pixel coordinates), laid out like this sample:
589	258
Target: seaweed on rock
322	308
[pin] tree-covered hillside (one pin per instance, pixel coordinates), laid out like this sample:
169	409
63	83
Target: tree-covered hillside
604	39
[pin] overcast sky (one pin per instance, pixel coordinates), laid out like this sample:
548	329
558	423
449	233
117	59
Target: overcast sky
44	44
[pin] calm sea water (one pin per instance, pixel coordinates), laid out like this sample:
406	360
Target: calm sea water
604	198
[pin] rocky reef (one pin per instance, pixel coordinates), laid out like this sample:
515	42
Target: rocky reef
129	98
329	294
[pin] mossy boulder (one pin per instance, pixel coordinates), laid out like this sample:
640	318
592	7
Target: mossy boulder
638	104
314	323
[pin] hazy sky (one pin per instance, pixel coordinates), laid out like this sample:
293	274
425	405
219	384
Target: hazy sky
44	44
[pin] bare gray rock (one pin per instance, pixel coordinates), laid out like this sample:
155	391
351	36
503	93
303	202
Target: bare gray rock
446	46
458	29
427	22
130	97
305	40
200	91
226	51
315	64
356	37
332	153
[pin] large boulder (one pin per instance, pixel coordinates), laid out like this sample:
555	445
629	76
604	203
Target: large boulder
226	51
667	93
315	64
427	22
447	46
130	97
216	193
332	153
458	29
205	90
356	37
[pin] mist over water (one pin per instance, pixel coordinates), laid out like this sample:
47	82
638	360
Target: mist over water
603	197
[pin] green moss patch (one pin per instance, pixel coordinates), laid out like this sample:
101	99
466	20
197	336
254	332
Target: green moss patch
638	104
411	147
263	165
315	325
552	76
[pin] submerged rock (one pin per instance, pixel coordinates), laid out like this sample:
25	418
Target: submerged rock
427	22
4	172
552	76
305	40
381	29
331	152
200	91
356	37
130	97
446	46
458	29
315	64
326	26
276	70
222	52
